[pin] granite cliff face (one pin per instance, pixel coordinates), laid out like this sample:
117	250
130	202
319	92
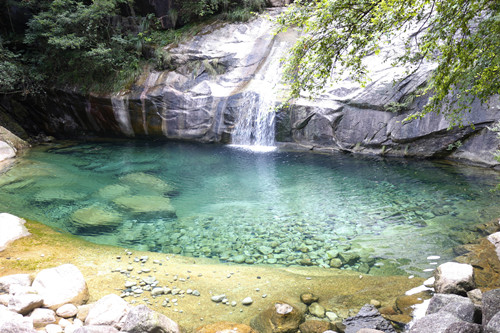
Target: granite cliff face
219	74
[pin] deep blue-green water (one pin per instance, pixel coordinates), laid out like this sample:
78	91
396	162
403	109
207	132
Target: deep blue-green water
384	216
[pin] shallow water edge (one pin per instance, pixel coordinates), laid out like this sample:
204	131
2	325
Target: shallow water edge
340	291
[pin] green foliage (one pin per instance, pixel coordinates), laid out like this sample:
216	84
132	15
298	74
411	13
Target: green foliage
78	42
462	36
457	144
242	10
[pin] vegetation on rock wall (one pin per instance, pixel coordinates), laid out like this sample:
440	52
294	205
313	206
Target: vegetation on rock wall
462	36
94	45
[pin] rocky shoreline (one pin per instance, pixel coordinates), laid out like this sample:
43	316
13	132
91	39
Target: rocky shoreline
141	289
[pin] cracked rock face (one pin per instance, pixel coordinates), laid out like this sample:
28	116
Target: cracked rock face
215	76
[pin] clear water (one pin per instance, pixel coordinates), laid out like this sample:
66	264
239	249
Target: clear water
279	208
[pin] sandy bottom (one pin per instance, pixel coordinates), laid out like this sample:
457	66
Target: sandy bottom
343	292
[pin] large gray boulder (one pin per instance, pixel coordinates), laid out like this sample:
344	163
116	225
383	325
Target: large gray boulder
454	278
141	319
111	310
439	322
493	325
16	279
61	285
491	305
460	307
11	228
368	317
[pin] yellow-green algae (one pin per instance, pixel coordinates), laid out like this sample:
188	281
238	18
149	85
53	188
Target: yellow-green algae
339	290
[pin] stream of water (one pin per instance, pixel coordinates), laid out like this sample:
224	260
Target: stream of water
373	215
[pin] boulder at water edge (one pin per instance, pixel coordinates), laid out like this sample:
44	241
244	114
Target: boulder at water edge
460	307
6	151
11	228
61	285
278	318
442	322
454	278
491	305
110	310
141	319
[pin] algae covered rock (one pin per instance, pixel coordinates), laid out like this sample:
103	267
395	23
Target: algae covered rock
96	216
146	204
280	317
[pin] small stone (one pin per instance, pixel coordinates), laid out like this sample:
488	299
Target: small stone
130	268
196	293
317	310
375	303
233	304
247	301
332	316
189	291
43	317
157	291
218	298
67	311
130	284
308	298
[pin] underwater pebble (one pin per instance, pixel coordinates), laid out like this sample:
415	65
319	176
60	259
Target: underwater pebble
195	293
433	257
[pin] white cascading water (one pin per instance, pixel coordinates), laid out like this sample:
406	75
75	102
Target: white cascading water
121	112
255	126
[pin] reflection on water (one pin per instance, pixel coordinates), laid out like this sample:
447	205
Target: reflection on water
367	214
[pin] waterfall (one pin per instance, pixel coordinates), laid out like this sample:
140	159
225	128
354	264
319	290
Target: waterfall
120	110
255	124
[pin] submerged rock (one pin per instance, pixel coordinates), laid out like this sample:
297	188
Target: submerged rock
96	216
146	204
226	327
144	181
278	318
113	191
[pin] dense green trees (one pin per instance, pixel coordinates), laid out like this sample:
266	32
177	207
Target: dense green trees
462	36
98	45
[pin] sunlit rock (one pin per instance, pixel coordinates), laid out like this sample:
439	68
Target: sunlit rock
11	228
6	151
61	285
